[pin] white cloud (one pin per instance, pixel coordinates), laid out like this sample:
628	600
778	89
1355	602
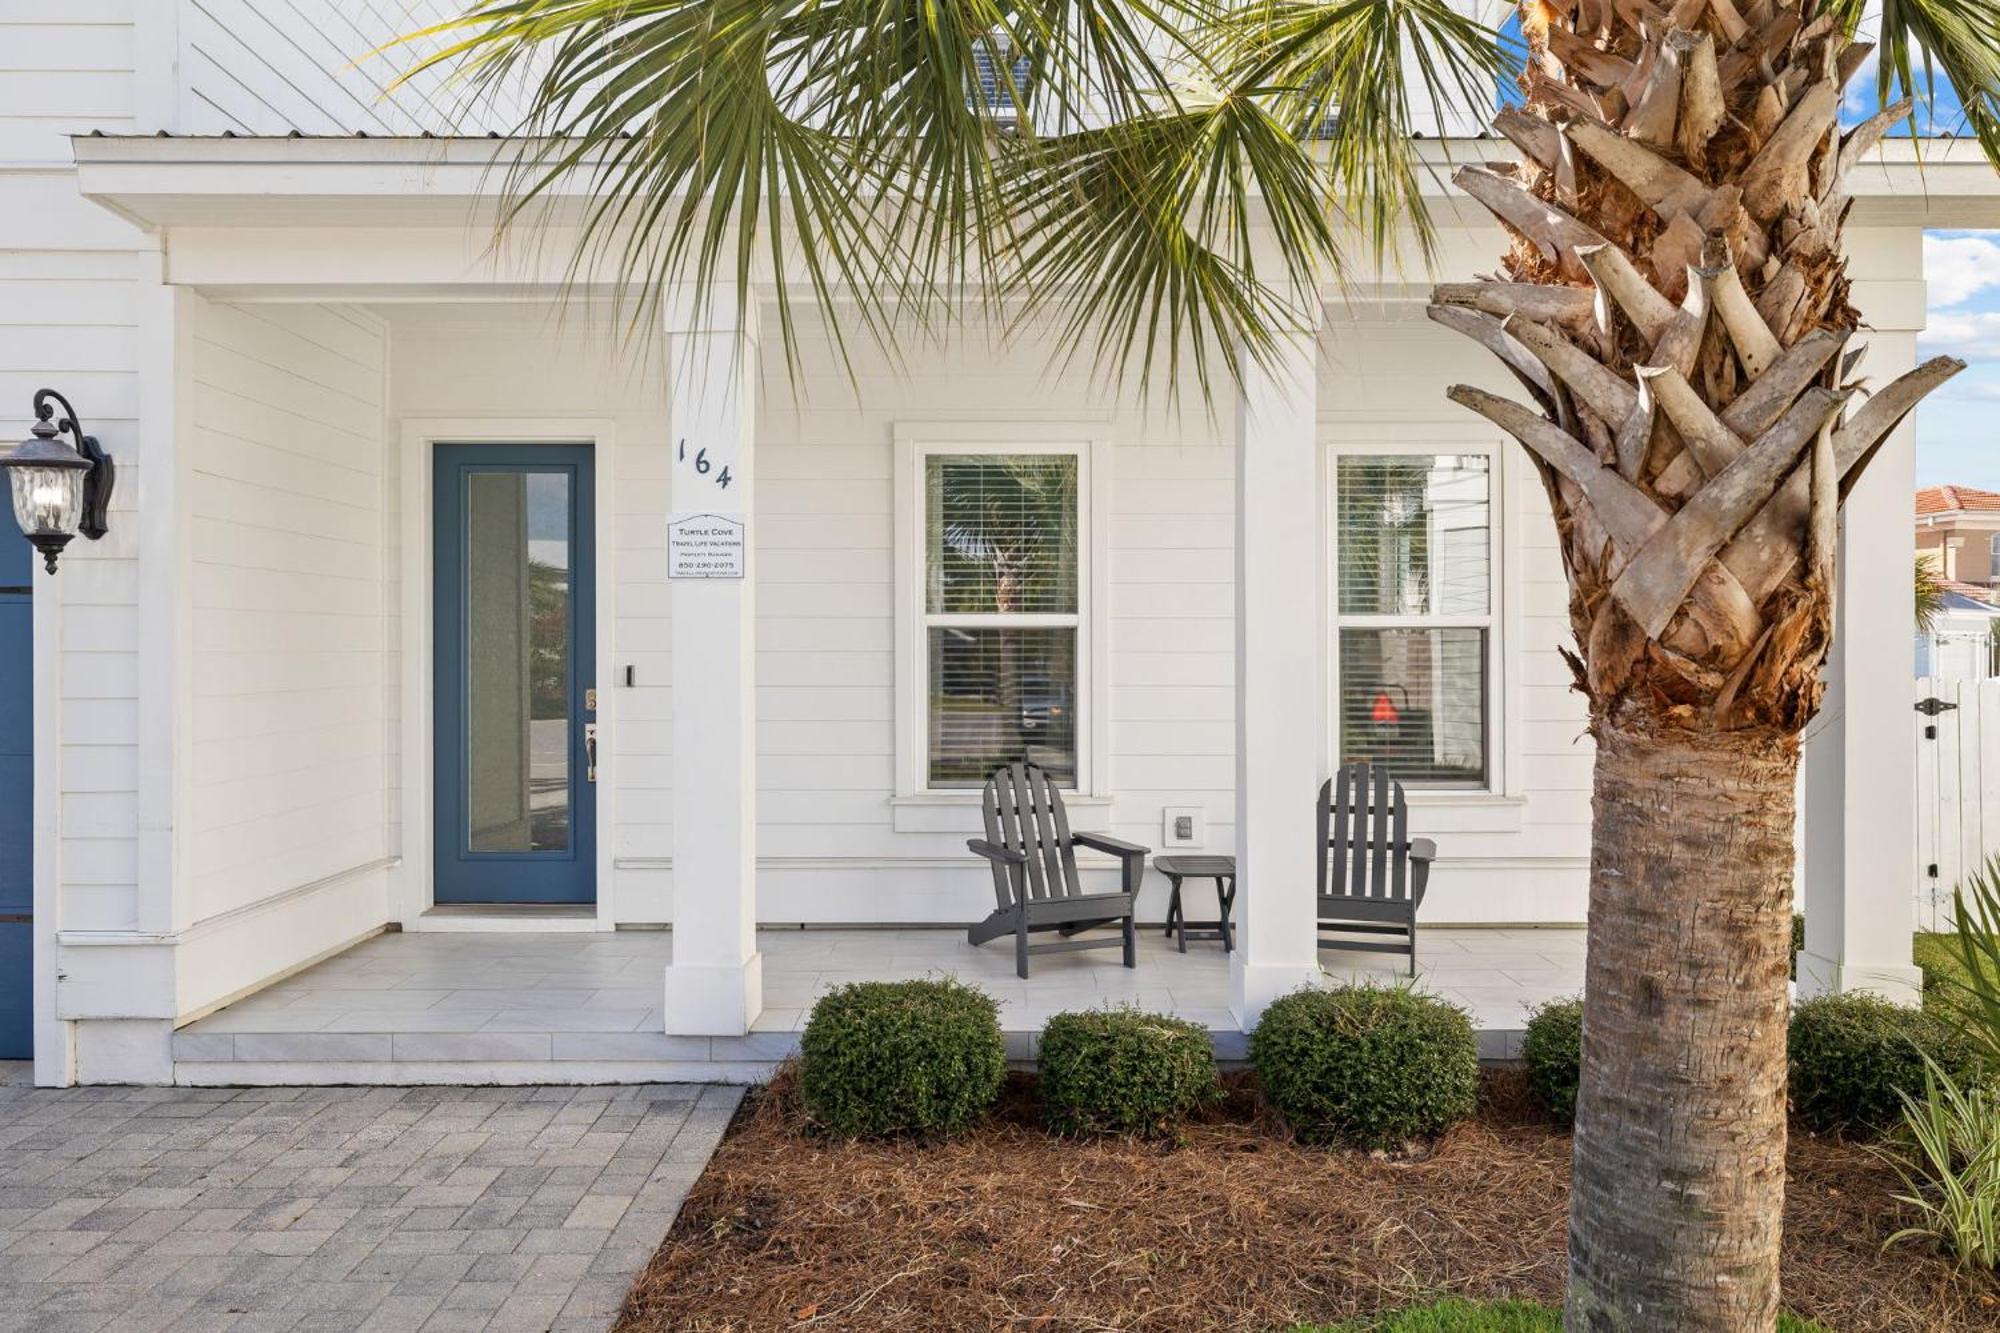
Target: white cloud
1972	335
1959	268
1978	391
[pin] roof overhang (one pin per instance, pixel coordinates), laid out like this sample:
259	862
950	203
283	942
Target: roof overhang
161	181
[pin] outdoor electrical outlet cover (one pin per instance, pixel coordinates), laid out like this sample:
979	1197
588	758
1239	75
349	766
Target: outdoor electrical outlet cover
1181	826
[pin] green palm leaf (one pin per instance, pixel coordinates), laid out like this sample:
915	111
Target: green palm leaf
1919	40
1138	163
1169	182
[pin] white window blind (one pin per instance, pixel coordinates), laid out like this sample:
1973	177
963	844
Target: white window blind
1414	614
1001	614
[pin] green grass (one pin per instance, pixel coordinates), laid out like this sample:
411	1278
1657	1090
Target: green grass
1486	1317
1935	953
1453	1317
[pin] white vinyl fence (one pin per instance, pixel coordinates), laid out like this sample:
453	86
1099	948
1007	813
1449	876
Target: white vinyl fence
1957	730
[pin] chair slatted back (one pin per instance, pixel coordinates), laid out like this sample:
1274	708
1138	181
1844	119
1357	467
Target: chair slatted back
1024	813
1364	835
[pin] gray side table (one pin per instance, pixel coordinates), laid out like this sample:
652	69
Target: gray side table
1221	869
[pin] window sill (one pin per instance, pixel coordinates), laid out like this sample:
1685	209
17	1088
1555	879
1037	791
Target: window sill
958	812
1464	811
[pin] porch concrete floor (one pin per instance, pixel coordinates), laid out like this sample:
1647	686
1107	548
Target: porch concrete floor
585	1008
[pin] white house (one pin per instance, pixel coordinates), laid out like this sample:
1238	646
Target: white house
385	632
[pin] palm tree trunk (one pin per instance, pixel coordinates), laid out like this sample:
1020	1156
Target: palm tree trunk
1680	1147
1675	305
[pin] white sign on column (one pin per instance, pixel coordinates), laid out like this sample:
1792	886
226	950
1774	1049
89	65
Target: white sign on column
714	985
708	542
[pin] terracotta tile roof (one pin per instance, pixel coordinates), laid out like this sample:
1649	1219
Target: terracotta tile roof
1974	591
1951	499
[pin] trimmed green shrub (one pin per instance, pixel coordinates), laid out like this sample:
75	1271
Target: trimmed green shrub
901	1057
1851	1055
1369	1066
1552	1049
1122	1071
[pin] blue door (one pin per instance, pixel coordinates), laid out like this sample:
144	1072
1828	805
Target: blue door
515	685
17	797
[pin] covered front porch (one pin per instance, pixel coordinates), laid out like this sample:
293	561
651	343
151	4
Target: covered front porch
435	1007
772	719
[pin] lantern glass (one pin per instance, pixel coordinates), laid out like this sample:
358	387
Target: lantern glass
48	501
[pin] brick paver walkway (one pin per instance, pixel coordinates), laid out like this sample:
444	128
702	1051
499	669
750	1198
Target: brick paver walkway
339	1208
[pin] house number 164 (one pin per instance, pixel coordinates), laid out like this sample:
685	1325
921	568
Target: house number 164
704	467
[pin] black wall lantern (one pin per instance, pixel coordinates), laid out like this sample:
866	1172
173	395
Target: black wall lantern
58	490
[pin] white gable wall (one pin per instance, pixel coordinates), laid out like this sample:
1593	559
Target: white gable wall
318	67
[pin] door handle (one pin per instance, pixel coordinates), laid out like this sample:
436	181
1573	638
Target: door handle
590	751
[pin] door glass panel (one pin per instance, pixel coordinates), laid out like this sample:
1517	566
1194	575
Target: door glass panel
517	572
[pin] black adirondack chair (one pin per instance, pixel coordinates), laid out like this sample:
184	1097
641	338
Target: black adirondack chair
1033	854
1372	873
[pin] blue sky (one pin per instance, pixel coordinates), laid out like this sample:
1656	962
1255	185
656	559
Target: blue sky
1956	433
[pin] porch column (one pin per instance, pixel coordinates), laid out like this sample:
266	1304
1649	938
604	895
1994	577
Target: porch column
1859	891
1280	702
714	984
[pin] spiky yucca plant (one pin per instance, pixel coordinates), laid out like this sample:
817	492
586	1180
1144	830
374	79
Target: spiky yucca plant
1674	304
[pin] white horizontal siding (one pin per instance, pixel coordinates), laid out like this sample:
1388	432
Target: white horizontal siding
286	753
826	605
65	68
69	320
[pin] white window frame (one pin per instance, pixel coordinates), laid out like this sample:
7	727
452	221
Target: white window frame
1385	438
918	806
1992	556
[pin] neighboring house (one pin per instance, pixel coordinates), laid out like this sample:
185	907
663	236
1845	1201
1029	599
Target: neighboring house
1959	527
383	633
1961	643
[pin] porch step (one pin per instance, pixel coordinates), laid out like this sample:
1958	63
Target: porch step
266	1059
206	1058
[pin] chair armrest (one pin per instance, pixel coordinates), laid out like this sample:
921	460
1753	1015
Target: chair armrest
1131	853
1422	852
991	852
1102	842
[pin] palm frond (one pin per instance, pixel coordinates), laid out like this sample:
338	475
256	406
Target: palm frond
1145	171
1974	994
1929	596
677	124
1920	41
1365	77
1143	237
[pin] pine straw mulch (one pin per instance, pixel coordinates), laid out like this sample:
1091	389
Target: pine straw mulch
1233	1227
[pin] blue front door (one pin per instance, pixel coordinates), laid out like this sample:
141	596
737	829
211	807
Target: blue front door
515	676
17	797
